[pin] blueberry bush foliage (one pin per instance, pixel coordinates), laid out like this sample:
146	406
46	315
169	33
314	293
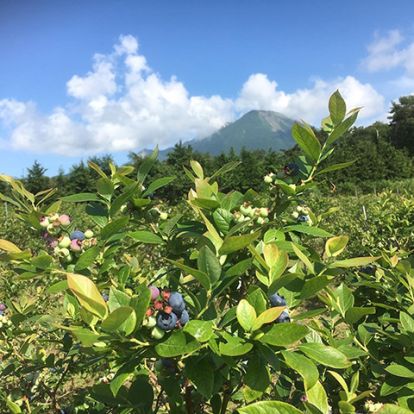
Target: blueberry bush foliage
229	306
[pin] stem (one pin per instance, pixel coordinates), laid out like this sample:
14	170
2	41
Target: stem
188	400
226	399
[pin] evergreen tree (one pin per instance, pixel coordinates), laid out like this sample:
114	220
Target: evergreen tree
36	179
402	123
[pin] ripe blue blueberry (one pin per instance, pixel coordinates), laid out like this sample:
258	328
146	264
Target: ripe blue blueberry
277	300
78	235
185	317
291	169
166	321
177	303
105	297
303	218
283	317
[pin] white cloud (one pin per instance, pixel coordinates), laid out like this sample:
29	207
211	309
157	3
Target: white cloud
310	104
390	52
122	105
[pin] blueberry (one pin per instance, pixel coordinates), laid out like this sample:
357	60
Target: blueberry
283	317
105	297
78	235
155	292
176	301
166	321
185	317
2	307
277	300
303	218
369	270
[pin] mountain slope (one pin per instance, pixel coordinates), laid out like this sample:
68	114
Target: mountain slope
254	130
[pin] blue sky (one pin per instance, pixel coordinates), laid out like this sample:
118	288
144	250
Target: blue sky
79	78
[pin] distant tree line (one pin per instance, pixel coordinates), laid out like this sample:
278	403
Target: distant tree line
381	152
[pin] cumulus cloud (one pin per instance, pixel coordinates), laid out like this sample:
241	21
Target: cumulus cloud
392	51
122	105
259	92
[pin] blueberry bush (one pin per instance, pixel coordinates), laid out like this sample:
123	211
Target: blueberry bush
230	305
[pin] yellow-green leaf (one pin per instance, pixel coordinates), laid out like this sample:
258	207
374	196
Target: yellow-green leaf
336	245
269	315
9	246
246	315
87	294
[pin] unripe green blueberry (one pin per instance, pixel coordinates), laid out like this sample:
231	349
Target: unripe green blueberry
244	209
268	179
163	216
89	234
151	322
157	333
295	214
264	212
241	218
64	252
123	208
44	222
64	242
260	220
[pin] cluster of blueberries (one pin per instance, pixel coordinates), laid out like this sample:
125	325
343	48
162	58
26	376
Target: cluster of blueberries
63	242
167	312
301	214
277	300
248	212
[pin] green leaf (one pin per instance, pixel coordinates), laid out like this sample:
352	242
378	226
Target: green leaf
201	374
393	409
222	218
257	374
87	258
122	319
176	345
118	381
85	336
335	167
269	407
98	213
140	303
354	314
284	334
226	168
307	141
81	197
336	245
340	129
9	246
147	237
246	315
105	187
400	371
197	168
12	406
325	355
317	397
58	287
309	230
202	331
355	262
234	243
117	299
313	286
146	165
208	263
197	274
157	184
87	294
234	346
268	316
407	322
303	366
114	227
337	108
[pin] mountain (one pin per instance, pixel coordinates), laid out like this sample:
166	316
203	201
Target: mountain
254	130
